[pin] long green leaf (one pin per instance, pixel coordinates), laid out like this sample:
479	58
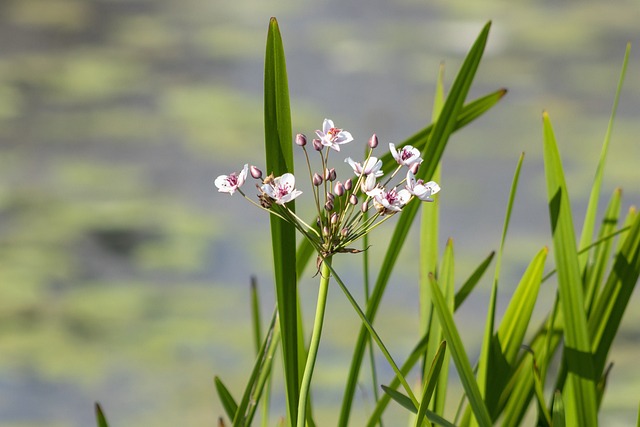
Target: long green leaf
430	383
559	419
594	197
460	357
433	152
262	364
581	408
228	402
279	160
100	418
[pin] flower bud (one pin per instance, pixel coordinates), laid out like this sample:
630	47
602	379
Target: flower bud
317	144
338	189
255	172
348	184
373	141
330	197
353	200
365	206
325	230
332	174
334	218
301	140
414	168
328	206
317	179
327	174
344	232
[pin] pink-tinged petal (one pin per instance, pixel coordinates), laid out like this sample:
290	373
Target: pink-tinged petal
394	152
326	126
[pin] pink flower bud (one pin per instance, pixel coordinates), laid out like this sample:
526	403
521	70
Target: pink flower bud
325	230
414	168
344	232
317	179
334	218
332	174
373	141
328	206
255	172
364	207
301	140
348	184
327	174
317	144
338	189
330	197
353	200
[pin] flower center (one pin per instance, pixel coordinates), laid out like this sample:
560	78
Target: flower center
282	190
333	133
232	179
406	154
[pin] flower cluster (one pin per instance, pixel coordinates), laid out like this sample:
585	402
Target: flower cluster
348	209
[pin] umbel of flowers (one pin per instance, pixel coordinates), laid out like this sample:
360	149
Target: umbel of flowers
346	209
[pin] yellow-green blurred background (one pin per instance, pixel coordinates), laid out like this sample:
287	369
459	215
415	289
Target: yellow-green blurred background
124	275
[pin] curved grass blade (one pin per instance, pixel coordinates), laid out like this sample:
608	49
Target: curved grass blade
100	418
582	403
460	357
469	285
433	152
228	402
400	398
430	383
279	160
592	207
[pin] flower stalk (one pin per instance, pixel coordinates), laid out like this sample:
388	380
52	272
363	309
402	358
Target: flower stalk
325	275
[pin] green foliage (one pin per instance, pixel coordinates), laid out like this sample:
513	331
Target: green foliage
586	314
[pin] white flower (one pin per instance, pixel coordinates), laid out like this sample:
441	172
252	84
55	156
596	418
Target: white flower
331	136
407	156
282	189
392	201
370	167
230	183
369	186
421	190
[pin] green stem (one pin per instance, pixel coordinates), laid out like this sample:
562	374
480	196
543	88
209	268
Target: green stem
325	274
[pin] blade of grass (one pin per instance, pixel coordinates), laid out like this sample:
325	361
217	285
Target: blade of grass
459	356
469	285
261	364
487	384
582	403
228	402
592	207
100	418
430	383
559	419
437	142
279	160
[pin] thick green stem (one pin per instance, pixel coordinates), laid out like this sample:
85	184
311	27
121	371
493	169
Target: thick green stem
325	274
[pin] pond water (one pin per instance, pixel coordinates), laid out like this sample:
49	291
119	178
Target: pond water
125	274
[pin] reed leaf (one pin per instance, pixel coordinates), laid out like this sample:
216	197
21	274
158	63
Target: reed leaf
100	418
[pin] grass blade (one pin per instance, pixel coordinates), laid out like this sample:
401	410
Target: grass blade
460	357
582	403
228	402
559	419
430	383
592	207
279	160
400	398
100	418
469	285
433	152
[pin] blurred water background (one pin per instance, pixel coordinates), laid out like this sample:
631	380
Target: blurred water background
124	276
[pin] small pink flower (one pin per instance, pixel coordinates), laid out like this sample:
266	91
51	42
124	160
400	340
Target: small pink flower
282	189
331	136
369	186
407	156
392	201
421	190
230	183
371	166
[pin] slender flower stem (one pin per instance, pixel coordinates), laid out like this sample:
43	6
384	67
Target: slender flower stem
325	274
